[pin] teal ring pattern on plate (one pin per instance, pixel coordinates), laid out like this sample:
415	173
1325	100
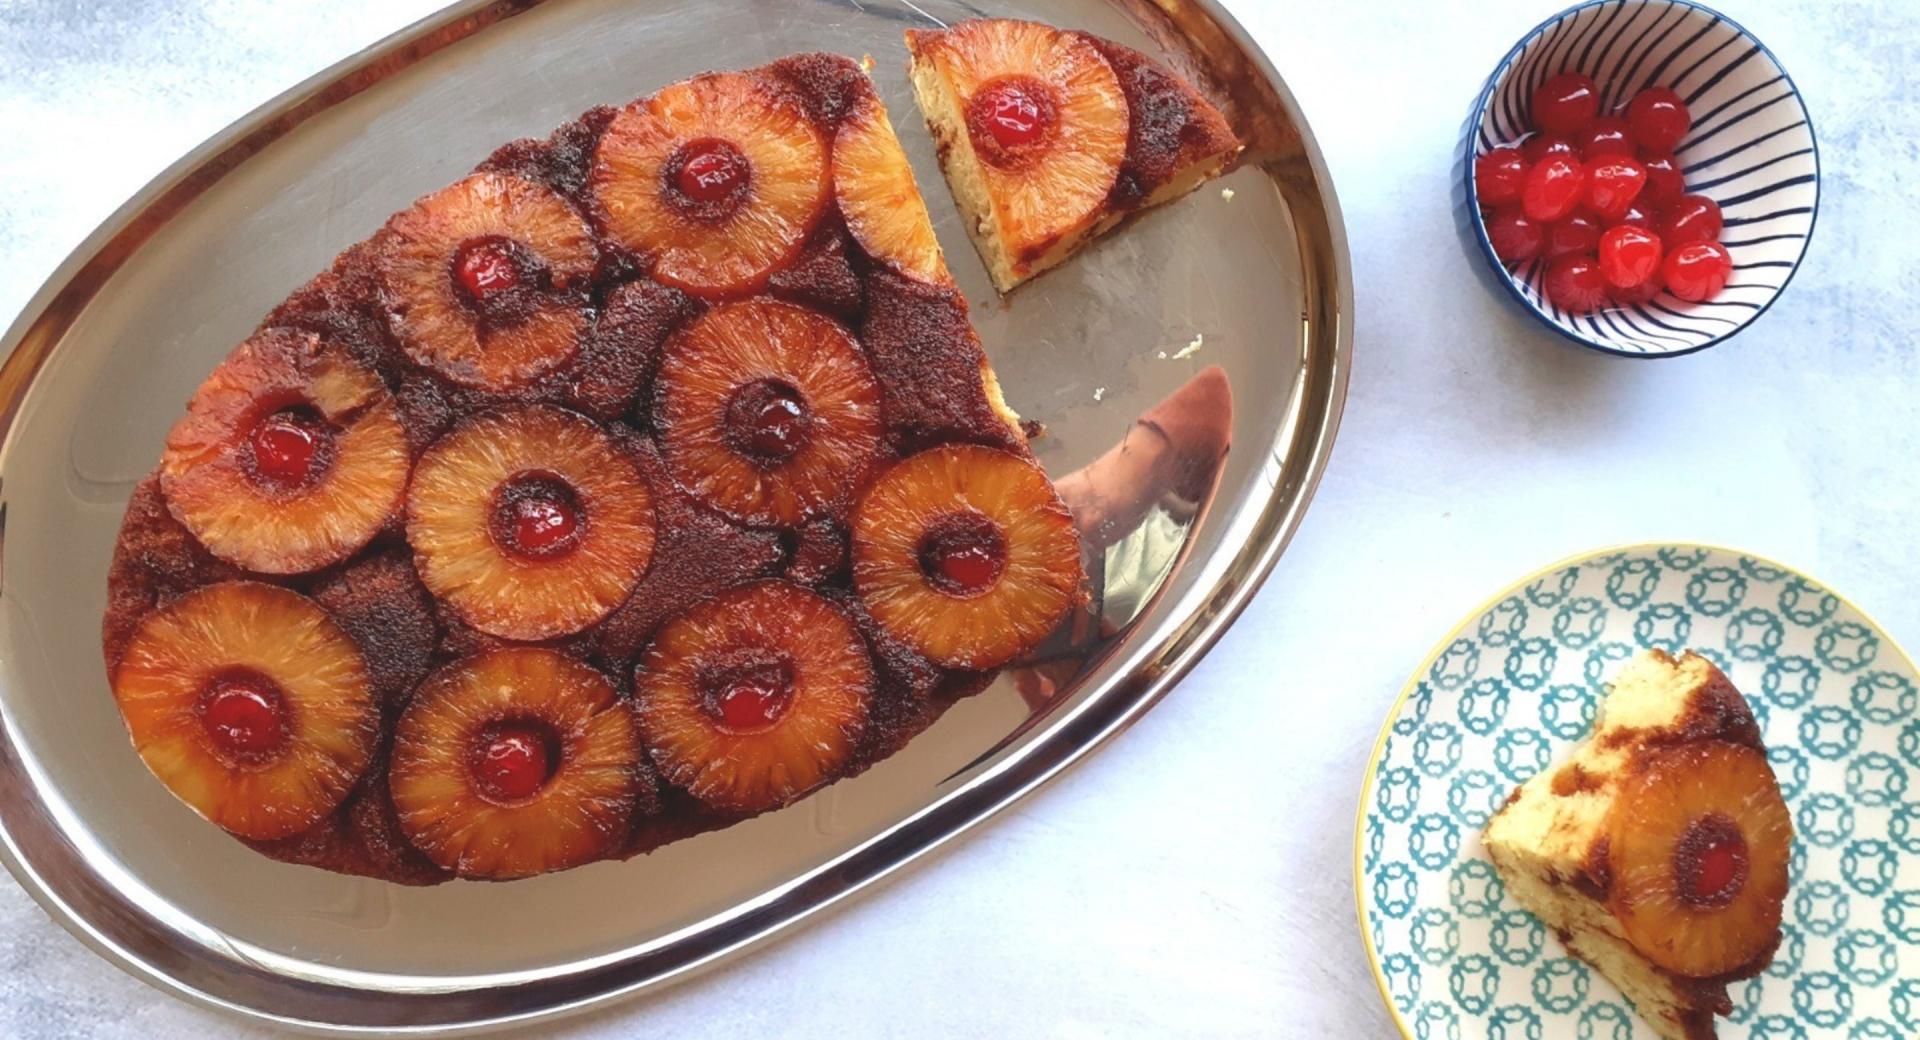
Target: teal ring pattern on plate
1519	682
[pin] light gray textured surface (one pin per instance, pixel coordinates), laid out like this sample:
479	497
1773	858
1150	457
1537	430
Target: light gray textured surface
1195	878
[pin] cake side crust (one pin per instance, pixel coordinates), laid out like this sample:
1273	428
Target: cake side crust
947	122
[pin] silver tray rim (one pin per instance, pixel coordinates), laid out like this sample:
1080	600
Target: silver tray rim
58	875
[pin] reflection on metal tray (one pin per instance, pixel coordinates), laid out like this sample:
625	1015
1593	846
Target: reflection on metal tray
1189	372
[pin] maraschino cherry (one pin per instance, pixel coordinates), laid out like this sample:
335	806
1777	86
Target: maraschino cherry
1629	256
542	524
244	716
1601	197
770	421
537	517
1565	103
1697	271
486	267
1515	236
514	763
1013	115
1659	119
711	171
963	555
754	699
1499	175
1710	863
284	448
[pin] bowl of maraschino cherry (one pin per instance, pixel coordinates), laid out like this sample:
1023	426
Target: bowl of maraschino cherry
1641	176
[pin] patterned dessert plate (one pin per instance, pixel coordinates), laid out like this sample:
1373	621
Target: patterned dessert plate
1509	690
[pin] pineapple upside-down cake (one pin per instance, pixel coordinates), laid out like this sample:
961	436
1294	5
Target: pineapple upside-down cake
1051	137
648	478
1659	850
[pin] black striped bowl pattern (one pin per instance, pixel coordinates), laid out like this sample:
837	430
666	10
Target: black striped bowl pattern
1751	150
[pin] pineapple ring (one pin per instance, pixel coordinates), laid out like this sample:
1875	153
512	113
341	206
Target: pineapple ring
441	327
268	528
1038	577
579	814
180	650
767	341
1718	783
712	254
450	523
874	186
829	685
1061	186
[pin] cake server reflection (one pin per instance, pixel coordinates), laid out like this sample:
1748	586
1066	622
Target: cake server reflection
1135	507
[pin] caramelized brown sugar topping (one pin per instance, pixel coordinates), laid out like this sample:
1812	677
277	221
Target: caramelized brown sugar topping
1172	126
520	537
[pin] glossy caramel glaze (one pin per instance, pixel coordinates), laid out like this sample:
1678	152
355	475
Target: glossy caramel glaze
1171	126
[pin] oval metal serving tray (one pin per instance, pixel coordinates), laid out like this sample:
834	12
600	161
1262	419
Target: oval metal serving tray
1253	279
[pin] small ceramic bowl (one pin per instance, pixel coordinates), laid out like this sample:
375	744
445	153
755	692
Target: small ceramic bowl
1751	150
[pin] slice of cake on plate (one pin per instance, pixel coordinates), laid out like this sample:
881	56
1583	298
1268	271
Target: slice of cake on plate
1050	137
1657	851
